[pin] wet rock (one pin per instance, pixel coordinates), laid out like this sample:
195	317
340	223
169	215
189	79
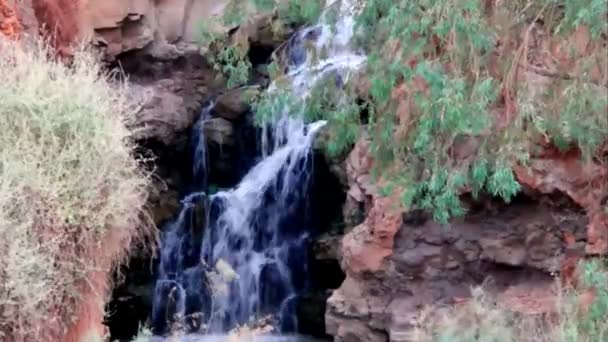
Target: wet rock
235	103
311	314
326	246
219	131
163	201
295	51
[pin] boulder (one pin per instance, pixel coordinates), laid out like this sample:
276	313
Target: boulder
234	103
161	113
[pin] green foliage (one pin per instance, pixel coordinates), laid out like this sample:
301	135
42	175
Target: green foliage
229	59
229	56
591	323
234	13
448	105
300	11
439	50
438	136
574	116
234	63
327	102
591	13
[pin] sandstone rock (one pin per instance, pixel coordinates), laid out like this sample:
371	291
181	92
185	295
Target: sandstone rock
512	253
201	12
26	16
59	21
171	16
111	13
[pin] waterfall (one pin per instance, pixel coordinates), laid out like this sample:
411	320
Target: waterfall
240	254
200	157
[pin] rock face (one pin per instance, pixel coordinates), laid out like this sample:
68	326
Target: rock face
121	26
585	183
397	263
9	23
166	95
116	26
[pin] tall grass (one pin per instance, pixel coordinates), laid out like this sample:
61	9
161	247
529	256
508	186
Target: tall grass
68	181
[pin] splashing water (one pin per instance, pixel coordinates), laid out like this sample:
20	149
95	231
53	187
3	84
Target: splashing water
260	229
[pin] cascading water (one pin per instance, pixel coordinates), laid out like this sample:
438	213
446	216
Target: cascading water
200	157
258	231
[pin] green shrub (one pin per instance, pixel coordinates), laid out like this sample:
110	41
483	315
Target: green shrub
228	55
447	45
68	182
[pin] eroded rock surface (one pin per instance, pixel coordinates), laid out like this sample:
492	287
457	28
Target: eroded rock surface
9	22
396	263
121	26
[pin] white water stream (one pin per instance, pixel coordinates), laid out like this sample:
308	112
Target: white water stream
256	229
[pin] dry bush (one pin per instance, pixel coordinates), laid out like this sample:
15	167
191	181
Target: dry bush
478	319
579	315
69	183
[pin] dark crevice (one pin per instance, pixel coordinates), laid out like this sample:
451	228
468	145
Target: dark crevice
260	54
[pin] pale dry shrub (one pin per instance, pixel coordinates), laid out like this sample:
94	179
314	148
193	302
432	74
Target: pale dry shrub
68	182
579	315
478	319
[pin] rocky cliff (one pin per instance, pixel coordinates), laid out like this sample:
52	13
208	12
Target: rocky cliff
397	263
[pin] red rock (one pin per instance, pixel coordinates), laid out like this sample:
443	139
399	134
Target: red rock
9	23
366	246
585	183
58	22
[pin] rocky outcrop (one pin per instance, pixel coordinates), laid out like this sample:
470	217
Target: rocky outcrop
167	95
586	183
234	103
116	26
9	22
396	264
121	26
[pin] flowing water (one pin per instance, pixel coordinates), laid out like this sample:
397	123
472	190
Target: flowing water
200	157
240	254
